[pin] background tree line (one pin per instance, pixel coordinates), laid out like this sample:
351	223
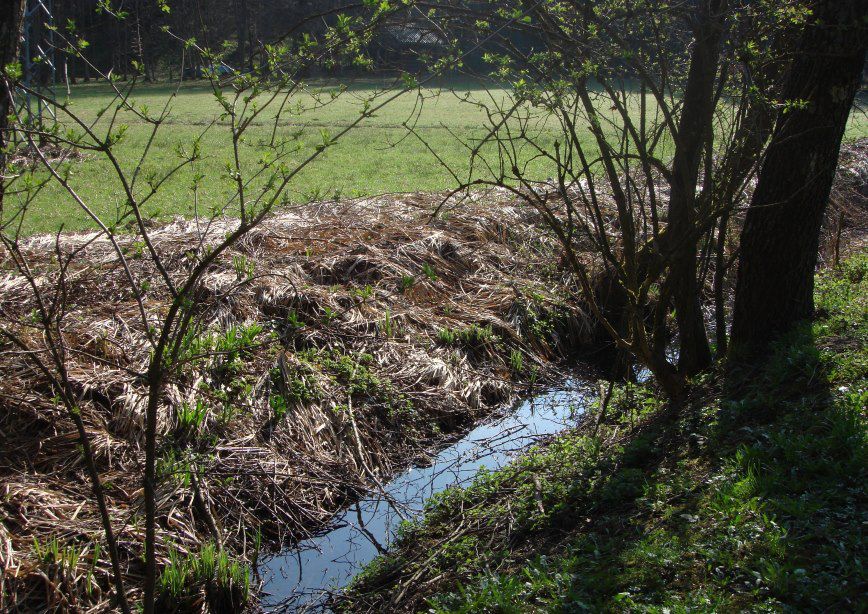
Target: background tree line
242	26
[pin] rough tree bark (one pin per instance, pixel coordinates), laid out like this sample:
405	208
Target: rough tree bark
779	241
749	141
696	117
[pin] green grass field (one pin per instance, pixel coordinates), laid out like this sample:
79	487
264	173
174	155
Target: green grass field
380	156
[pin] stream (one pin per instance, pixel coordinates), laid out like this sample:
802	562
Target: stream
302	578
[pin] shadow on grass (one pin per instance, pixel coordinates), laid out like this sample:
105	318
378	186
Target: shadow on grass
751	496
755	500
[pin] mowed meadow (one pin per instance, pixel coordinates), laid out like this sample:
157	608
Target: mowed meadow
379	155
422	141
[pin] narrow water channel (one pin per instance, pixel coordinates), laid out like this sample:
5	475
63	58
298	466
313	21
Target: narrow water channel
301	579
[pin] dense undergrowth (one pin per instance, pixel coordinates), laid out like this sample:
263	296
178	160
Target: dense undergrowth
751	497
333	347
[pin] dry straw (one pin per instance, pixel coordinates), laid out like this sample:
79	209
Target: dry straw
333	345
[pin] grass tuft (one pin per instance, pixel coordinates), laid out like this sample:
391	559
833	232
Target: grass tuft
225	583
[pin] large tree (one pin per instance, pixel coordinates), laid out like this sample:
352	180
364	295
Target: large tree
779	242
694	130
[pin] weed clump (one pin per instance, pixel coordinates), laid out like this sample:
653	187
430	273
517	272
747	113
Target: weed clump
472	337
224	582
291	385
354	373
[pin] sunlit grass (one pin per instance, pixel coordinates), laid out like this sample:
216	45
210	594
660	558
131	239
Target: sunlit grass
379	156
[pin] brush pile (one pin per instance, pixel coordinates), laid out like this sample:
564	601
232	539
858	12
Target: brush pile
333	345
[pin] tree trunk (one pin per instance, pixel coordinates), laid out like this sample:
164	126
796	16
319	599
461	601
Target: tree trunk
242	27
779	241
696	117
11	18
749	141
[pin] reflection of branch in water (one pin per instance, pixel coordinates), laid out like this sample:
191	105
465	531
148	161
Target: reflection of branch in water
300	573
367	533
350	545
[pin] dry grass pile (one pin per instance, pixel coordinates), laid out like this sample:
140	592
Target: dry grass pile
846	223
334	344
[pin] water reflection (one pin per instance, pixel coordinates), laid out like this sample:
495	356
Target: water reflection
301	579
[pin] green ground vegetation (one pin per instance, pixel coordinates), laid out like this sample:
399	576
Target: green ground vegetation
380	156
226	582
750	498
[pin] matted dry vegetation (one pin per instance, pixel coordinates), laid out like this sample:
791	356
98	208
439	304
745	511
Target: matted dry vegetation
336	343
846	224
